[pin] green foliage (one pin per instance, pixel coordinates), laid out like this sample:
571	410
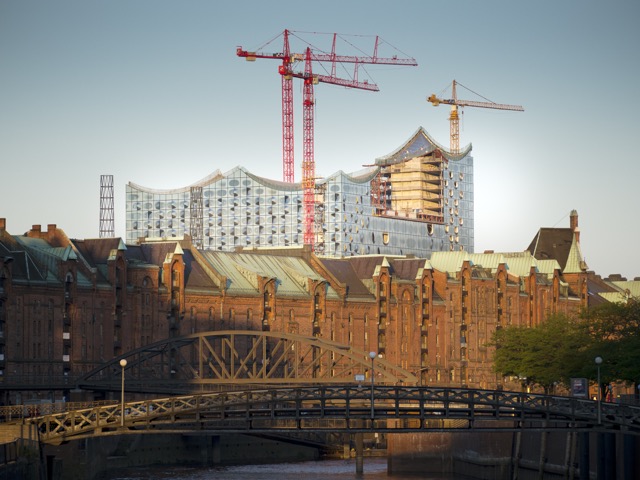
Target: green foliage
563	347
550	353
614	330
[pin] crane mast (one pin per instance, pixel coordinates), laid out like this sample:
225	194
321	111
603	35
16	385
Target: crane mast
308	158
287	114
454	119
308	151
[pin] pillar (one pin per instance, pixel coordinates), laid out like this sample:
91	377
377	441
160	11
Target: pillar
584	465
359	453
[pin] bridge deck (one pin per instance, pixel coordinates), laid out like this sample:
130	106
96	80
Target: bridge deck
347	408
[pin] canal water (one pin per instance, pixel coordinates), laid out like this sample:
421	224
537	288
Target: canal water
374	469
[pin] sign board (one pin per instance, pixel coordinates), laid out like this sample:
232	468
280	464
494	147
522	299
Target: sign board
579	388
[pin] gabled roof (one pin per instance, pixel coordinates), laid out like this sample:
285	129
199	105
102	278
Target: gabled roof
520	263
598	289
94	254
243	270
575	261
614	297
364	266
24	266
195	275
96	251
157	253
419	144
490	261
631	288
613	290
449	262
407	268
48	258
344	272
547	267
559	244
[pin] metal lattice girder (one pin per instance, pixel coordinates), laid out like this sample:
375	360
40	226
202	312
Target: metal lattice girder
344	408
107	216
241	357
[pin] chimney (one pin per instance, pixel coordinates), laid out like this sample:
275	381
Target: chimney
3	225
573	224
51	232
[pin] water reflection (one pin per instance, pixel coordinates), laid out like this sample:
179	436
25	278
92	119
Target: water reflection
374	469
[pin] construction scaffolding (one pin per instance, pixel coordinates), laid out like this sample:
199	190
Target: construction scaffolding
413	188
319	219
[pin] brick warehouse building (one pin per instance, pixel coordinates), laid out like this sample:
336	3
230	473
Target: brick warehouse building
67	306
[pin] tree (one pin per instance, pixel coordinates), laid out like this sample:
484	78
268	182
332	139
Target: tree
550	353
614	330
563	347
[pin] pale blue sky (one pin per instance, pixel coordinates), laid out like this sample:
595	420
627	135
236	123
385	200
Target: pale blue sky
151	91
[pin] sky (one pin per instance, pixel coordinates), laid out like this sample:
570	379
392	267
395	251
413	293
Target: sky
152	92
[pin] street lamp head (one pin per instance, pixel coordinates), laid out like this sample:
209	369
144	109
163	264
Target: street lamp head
372	355
598	360
123	363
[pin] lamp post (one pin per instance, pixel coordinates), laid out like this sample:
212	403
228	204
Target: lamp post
372	356
598	361
123	363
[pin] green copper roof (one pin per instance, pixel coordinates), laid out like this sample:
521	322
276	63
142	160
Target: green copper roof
449	262
520	263
547	267
575	262
630	288
243	272
487	260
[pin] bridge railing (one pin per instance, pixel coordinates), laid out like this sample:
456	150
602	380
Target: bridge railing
11	413
341	407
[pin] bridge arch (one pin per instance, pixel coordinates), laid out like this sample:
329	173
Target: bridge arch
212	360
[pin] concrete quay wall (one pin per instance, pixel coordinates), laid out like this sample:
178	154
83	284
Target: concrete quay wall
94	458
522	455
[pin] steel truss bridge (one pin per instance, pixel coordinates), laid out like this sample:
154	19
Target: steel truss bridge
239	358
348	408
280	383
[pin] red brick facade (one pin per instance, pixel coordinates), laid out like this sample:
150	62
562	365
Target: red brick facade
68	306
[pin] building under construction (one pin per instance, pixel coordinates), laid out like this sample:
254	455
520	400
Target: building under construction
414	201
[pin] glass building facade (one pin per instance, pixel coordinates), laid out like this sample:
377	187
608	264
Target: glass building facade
238	208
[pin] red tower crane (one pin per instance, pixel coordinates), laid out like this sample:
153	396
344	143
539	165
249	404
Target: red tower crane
286	70
310	79
308	156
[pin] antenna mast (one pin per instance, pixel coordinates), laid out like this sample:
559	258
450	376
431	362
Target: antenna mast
107	229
